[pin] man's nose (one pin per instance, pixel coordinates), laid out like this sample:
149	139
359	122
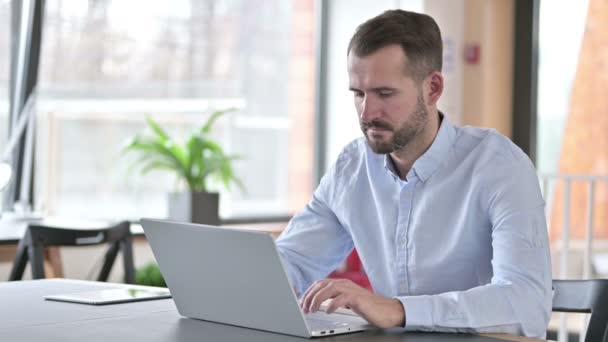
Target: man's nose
370	109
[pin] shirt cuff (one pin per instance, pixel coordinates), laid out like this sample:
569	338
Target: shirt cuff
418	312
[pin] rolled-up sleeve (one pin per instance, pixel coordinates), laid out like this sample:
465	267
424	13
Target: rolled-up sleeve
518	298
314	242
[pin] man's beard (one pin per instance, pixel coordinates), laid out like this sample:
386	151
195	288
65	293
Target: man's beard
404	135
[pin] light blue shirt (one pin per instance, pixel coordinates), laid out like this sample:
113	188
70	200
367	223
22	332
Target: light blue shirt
462	243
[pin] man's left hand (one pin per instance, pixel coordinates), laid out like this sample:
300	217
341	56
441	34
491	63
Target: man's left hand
380	311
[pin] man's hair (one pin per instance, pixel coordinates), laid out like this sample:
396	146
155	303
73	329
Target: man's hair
416	33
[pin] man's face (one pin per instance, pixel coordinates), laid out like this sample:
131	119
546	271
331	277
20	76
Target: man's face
390	104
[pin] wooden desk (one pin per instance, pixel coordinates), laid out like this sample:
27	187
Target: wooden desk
25	315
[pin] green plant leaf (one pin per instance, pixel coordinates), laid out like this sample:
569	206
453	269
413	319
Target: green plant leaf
194	148
156	165
177	152
150	275
156	148
206	128
194	161
227	172
157	129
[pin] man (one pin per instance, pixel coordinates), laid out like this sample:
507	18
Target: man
448	221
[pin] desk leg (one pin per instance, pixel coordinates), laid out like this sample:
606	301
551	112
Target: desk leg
52	260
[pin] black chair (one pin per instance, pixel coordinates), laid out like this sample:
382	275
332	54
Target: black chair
39	235
585	296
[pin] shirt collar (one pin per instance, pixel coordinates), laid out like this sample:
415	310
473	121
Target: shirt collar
430	160
389	166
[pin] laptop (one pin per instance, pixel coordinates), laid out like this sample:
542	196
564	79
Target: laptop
235	277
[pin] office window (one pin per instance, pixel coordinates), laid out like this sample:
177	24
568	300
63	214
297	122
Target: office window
559	49
571	123
5	29
103	69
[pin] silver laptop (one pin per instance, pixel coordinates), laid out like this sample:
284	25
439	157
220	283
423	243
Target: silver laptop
235	277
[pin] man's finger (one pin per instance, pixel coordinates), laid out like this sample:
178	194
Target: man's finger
310	292
327	292
338	302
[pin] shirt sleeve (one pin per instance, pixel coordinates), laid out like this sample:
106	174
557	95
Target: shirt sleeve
314	242
518	298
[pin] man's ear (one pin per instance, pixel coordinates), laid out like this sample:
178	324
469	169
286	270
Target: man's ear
434	88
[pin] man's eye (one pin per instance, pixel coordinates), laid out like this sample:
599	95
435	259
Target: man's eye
385	93
358	93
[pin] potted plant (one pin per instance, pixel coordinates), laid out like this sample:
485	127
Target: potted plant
196	162
150	275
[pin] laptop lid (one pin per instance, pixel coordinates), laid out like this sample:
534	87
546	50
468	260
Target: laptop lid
225	275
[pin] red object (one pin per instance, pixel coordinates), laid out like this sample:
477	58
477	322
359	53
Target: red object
472	53
353	270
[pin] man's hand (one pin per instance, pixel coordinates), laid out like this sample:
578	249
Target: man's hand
380	311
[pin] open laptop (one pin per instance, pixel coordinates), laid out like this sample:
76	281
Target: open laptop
235	277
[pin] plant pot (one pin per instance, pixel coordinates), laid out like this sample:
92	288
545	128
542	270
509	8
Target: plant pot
196	207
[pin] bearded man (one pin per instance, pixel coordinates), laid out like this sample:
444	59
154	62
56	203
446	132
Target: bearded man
448	221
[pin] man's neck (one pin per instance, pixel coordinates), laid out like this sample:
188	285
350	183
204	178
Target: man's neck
404	159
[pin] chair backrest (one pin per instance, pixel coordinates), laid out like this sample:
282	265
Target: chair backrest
39	235
585	296
59	236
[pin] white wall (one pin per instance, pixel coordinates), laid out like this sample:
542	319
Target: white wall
450	16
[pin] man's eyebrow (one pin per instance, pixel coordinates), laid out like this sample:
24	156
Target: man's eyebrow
375	89
383	88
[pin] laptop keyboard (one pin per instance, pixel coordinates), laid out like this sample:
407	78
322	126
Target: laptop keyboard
323	324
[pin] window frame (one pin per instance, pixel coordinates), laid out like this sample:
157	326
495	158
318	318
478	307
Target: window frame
525	77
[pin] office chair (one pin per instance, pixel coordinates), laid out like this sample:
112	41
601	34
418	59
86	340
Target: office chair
585	296
38	236
353	271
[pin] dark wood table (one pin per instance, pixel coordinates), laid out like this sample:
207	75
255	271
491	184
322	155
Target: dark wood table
26	316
